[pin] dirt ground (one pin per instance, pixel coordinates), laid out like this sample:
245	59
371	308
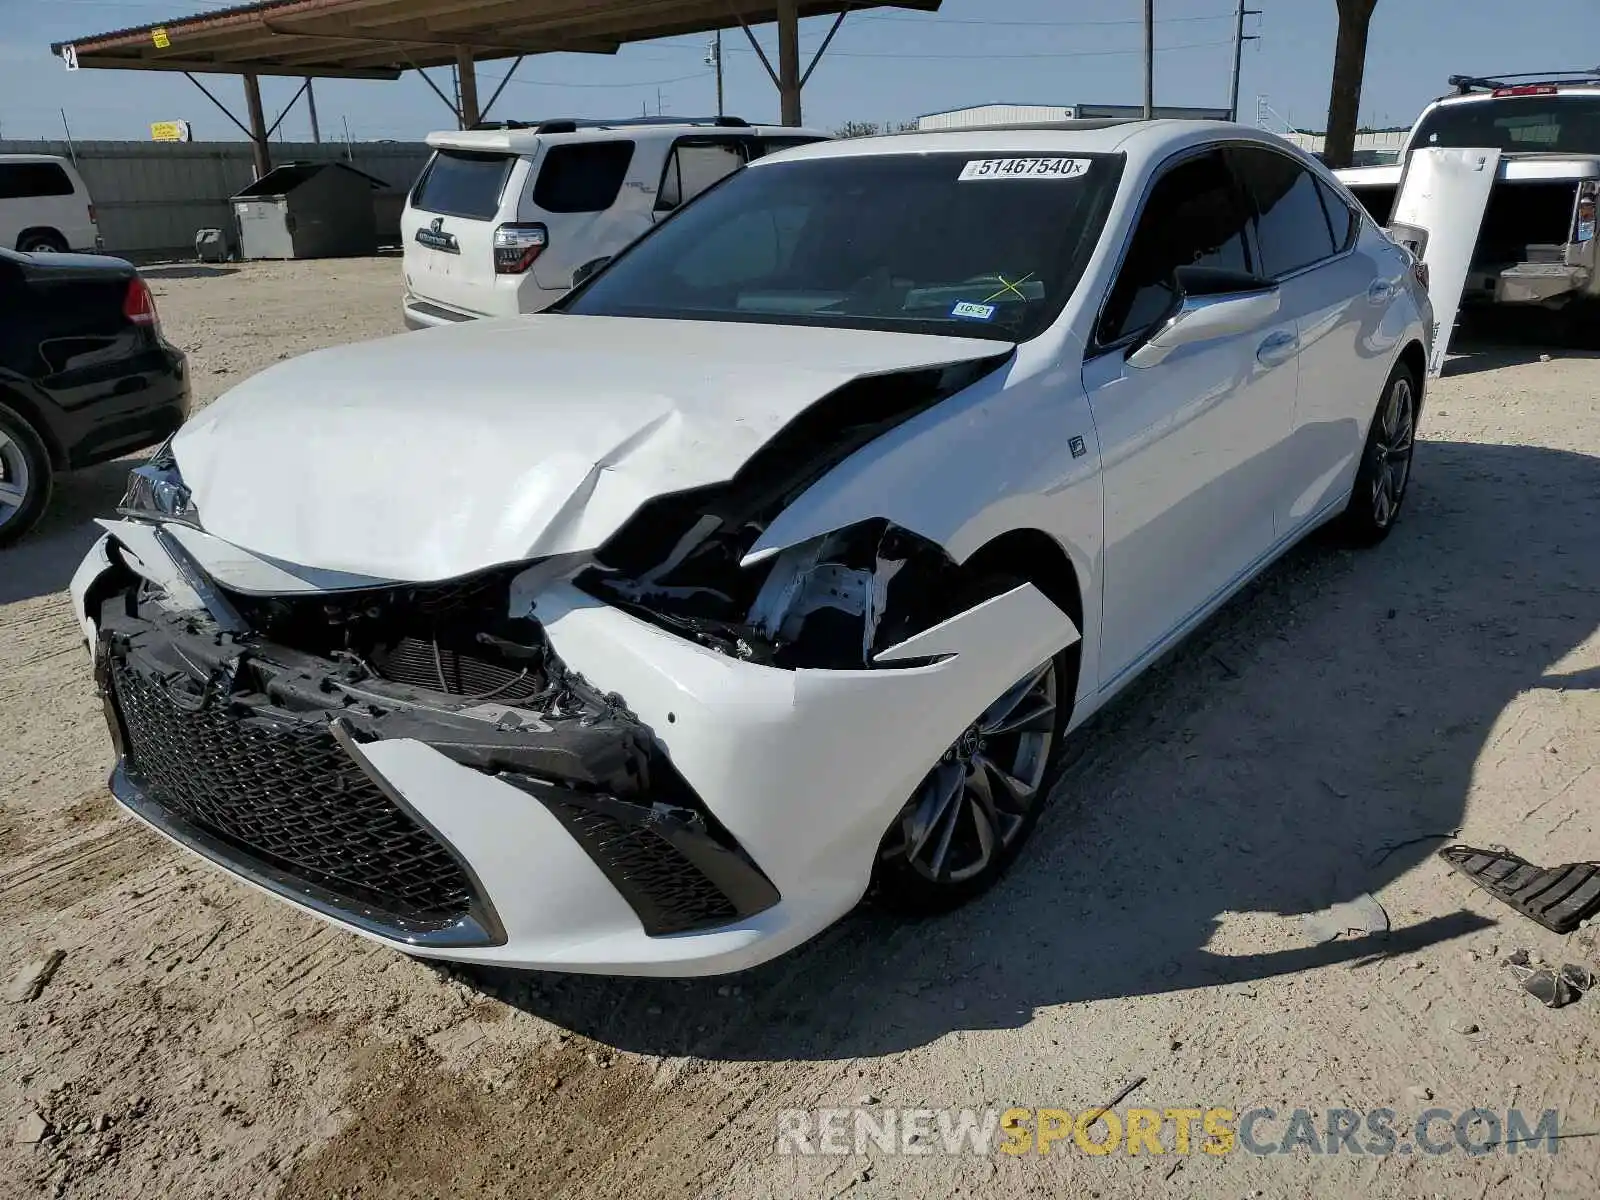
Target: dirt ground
1319	739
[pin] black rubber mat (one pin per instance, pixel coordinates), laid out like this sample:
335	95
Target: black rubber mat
1556	897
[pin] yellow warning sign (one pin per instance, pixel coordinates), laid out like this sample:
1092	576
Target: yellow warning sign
169	131
160	38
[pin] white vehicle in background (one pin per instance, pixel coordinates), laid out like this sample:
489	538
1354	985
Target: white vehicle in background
1536	246
502	220
44	206
648	634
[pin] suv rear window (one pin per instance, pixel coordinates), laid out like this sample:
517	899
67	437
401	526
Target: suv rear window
1566	123
18	180
582	176
463	183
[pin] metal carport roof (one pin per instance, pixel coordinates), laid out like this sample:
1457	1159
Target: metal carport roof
381	38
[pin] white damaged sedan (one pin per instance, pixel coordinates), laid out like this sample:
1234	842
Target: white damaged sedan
649	635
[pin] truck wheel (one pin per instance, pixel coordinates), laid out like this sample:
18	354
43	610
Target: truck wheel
42	241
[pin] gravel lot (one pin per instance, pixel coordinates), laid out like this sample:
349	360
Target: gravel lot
199	1040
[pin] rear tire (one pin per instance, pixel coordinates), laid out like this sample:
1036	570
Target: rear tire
26	477
42	241
969	818
1384	476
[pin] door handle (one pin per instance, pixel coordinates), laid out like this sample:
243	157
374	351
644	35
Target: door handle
1381	292
1278	348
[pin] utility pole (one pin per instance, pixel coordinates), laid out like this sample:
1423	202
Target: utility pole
311	107
72	149
1239	39
714	58
1149	59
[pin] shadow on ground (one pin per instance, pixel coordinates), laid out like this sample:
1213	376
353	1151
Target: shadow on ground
1315	740
1487	341
43	562
185	271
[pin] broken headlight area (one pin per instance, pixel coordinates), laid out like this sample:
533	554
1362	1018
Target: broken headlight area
156	489
244	740
828	604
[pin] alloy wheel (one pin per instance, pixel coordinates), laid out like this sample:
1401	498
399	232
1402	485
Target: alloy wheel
975	802
1392	446
14	478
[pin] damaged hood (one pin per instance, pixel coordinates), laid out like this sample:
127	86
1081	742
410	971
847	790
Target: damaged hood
439	453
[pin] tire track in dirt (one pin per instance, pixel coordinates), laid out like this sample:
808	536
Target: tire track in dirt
77	872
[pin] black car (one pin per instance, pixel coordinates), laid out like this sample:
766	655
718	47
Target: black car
85	375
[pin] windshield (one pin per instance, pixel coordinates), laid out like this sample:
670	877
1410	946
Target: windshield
967	244
1566	123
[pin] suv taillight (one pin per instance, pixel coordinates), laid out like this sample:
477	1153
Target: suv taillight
516	246
139	306
92	219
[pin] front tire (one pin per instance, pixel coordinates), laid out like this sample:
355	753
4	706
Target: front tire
1384	477
26	477
969	818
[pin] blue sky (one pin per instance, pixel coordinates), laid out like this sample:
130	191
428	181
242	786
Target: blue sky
885	65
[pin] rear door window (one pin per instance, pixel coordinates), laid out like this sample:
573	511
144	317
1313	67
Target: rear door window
21	180
1340	216
1291	227
1194	216
694	165
463	183
582	177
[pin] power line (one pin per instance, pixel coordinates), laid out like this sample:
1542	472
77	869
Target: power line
942	20
558	84
1036	54
883	54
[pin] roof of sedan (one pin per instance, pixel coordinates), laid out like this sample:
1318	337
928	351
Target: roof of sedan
1083	137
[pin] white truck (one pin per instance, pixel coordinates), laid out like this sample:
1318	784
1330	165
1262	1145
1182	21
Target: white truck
1536	246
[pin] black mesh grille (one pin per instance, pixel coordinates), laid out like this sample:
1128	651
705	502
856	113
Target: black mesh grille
669	892
289	796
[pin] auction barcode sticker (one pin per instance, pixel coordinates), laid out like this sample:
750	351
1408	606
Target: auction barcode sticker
1024	168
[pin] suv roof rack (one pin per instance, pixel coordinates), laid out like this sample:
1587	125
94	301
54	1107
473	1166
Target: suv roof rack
1465	85
573	124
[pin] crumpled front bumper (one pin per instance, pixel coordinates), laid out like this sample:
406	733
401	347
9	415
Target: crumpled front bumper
804	770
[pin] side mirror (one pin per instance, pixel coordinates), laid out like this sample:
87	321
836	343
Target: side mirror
1211	304
585	272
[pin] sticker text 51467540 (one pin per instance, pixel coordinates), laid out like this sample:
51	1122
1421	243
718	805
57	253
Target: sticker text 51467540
1055	167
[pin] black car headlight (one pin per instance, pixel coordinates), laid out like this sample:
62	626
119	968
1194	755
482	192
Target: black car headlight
156	489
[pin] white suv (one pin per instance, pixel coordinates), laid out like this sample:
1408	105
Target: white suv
500	220
44	206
